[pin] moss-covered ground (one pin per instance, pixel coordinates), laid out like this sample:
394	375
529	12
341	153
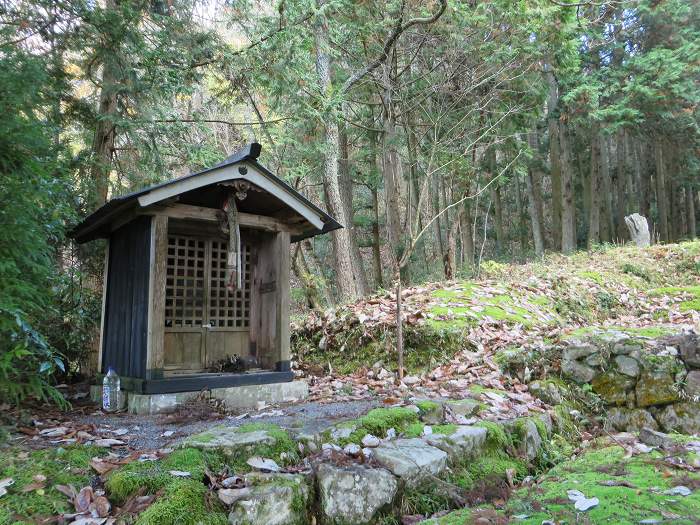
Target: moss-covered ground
187	500
630	490
591	287
60	466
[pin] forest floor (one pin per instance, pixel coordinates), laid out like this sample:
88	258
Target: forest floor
481	342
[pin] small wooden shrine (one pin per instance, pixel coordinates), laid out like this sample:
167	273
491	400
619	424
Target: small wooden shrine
196	286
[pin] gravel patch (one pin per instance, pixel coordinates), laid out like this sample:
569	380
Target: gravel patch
154	432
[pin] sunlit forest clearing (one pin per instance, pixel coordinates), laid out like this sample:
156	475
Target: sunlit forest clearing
349	262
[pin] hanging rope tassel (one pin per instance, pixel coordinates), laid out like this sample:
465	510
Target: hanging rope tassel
234	274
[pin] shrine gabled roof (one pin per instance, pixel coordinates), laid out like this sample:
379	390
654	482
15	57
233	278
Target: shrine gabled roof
242	165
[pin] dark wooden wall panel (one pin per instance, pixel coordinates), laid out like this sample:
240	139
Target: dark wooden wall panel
126	308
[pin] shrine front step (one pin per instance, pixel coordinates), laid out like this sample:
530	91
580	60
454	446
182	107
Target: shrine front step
247	397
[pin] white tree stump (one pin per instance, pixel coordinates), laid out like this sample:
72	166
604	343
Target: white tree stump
639	229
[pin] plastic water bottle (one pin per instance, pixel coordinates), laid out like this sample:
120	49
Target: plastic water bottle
110	391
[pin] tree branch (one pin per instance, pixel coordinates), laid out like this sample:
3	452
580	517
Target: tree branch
399	28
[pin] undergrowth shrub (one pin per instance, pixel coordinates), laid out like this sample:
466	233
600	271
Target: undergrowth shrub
27	362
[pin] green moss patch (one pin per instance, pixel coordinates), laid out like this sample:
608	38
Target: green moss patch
61	466
377	421
155	475
184	502
690	295
630	490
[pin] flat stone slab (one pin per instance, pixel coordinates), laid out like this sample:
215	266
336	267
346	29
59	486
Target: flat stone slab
465	441
411	459
229	440
354	494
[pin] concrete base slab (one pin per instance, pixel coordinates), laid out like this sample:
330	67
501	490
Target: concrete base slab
237	397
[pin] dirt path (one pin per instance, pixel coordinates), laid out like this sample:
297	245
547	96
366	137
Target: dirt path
153	432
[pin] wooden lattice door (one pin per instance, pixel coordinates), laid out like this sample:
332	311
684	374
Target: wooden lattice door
204	321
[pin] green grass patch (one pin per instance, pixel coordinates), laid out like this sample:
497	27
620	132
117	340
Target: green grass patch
61	466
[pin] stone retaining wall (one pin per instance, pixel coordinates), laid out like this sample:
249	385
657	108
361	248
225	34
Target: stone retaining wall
359	483
644	381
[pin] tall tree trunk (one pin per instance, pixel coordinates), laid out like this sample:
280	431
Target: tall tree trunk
568	207
595	189
342	244
690	210
345	183
105	129
391	167
520	223
465	229
620	185
376	242
607	229
311	291
645	163
313	266
555	167
661	192
534	192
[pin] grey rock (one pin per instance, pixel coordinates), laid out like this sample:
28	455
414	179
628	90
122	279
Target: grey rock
464	407
411	459
229	440
692	384
595	360
279	499
354	494
370	441
654	438
351	449
466	441
638	227
627	419
577	371
623	348
680	417
627	365
342	432
531	443
689	346
547	391
577	351
230	496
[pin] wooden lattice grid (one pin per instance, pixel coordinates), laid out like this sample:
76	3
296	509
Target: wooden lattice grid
195	290
227	309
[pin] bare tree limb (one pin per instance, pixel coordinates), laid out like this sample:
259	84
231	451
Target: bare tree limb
399	28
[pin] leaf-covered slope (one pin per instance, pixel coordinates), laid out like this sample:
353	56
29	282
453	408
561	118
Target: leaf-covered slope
510	305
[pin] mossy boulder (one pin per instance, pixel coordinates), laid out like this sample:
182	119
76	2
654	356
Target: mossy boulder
354	494
411	459
464	407
680	417
463	441
240	443
655	387
430	411
551	392
630	419
273	499
612	387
